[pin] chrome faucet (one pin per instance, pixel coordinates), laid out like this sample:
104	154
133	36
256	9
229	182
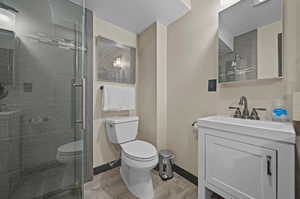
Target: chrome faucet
254	115
245	113
244	102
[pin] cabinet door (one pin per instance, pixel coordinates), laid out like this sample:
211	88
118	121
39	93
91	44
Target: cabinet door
241	170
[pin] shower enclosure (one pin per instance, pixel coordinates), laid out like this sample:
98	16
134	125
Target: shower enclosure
45	84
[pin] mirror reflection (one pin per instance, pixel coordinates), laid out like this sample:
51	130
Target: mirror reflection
115	62
250	40
7	53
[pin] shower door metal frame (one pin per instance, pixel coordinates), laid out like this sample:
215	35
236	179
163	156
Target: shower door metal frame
84	122
88	136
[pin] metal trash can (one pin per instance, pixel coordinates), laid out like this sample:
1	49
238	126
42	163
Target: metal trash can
166	162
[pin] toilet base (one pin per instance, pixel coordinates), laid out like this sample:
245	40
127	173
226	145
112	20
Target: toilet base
138	181
72	168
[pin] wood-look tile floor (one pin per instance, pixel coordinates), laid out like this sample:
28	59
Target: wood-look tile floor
109	185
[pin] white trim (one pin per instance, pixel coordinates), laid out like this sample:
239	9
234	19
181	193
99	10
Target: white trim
259	2
228	4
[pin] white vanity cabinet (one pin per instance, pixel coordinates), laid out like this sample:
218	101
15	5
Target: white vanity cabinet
244	170
243	159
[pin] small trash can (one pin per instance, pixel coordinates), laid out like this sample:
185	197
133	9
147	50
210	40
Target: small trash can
166	163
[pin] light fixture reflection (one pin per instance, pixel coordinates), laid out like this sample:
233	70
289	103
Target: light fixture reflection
117	63
7	19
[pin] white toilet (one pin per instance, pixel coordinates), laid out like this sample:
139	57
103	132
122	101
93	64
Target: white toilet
138	157
70	154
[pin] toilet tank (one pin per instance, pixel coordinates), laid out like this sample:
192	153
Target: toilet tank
121	129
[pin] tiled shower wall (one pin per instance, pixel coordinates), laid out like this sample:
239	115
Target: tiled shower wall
6	56
42	95
46	106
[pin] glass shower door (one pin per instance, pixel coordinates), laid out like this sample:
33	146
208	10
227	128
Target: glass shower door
42	97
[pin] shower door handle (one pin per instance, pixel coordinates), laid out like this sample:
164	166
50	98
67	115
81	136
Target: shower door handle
83	100
81	85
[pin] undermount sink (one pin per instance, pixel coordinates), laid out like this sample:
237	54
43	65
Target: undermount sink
277	131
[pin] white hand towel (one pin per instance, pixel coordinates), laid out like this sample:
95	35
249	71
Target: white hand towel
118	98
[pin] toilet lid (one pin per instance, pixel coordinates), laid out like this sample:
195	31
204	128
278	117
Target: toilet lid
139	149
71	148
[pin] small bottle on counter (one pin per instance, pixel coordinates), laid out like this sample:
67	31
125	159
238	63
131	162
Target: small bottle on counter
279	111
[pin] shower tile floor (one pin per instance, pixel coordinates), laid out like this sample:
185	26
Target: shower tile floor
44	184
109	185
38	183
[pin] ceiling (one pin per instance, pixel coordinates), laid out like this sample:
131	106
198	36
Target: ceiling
136	15
244	17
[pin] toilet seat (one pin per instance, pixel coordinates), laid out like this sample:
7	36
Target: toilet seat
138	159
70	149
139	150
